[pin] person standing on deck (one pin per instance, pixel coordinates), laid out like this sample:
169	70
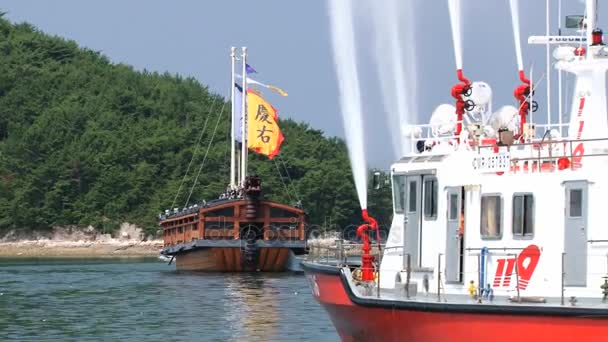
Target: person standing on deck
461	223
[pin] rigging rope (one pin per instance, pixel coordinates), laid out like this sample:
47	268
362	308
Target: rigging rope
198	141
227	161
282	181
206	153
289	177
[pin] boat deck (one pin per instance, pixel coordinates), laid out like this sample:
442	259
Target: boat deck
373	295
340	262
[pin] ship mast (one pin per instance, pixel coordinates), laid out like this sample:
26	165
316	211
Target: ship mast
591	7
232	123
244	116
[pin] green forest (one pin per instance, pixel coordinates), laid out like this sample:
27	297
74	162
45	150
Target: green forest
84	141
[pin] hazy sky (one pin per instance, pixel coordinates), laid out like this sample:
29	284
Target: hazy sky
289	45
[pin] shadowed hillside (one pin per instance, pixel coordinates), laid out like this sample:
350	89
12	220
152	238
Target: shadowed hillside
84	141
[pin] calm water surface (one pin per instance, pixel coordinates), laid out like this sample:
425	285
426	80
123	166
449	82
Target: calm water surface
112	300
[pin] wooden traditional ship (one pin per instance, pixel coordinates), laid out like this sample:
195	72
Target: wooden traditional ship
240	231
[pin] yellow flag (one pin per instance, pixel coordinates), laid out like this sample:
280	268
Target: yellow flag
263	133
278	90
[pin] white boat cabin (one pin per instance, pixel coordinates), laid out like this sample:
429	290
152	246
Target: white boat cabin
523	217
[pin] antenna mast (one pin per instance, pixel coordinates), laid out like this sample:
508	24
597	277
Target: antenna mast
547	32
591	19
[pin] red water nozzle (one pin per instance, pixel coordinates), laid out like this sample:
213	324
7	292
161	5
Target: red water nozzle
523	77
370	220
461	77
367	260
522	93
458	91
361	233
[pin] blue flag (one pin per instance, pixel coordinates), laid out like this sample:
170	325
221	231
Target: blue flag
238	115
249	69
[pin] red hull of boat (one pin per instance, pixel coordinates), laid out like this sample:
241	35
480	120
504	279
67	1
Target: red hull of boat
362	323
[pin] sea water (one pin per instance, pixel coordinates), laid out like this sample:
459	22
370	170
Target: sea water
147	300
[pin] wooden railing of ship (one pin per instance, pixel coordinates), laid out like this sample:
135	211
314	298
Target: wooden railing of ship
224	221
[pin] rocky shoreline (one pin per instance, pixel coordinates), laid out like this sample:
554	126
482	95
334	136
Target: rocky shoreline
79	249
79	243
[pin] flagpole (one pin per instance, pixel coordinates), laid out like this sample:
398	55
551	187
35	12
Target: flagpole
238	165
244	113
232	123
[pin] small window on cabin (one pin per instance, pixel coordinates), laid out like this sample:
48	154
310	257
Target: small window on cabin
399	193
278	212
491	217
194	227
227	212
453	214
430	198
180	230
576	203
523	215
209	225
412	200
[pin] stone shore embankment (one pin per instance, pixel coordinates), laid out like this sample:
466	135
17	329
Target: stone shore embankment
79	243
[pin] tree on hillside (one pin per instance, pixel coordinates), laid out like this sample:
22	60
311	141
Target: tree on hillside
84	141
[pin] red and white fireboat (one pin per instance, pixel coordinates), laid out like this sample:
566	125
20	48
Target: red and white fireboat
499	231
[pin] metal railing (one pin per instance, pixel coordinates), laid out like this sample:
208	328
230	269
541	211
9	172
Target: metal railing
428	132
561	128
339	254
555	150
592	273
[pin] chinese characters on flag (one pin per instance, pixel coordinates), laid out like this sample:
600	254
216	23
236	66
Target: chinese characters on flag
263	133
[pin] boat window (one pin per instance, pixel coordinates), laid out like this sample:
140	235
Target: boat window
218	225
576	203
399	192
491	217
194	227
228	212
523	215
280	226
437	158
180	230
412	206
278	212
430	198
453	214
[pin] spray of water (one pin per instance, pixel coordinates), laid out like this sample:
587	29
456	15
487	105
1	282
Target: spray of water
456	22
514	4
343	44
393	23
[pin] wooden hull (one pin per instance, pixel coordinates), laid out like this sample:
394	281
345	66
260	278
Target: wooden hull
229	259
